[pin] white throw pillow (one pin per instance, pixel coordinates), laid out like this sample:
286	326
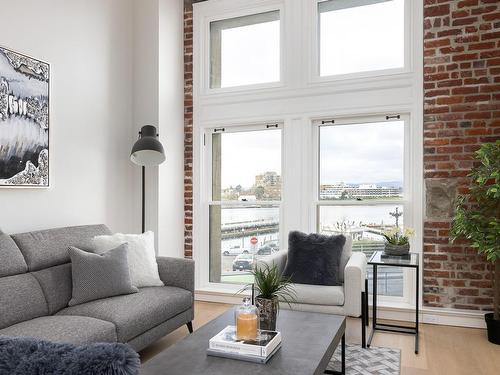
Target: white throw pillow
141	256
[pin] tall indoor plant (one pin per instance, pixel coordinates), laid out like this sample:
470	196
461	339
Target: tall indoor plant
477	218
270	286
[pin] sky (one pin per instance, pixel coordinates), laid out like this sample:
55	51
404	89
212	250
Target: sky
247	154
362	153
357	153
375	38
250	54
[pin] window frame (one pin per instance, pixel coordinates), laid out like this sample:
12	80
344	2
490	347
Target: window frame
221	14
208	197
408	182
297	103
315	77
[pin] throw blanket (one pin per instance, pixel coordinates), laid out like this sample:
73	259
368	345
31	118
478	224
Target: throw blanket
28	356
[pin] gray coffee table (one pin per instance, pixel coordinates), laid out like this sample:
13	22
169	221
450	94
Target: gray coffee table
308	343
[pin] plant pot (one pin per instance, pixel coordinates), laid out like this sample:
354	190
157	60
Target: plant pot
268	312
398	250
493	327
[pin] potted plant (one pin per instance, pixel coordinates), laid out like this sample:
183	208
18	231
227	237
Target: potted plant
477	218
270	287
398	241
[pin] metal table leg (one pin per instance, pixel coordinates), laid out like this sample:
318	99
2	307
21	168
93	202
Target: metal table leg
374	305
342	359
367	320
343	355
416	308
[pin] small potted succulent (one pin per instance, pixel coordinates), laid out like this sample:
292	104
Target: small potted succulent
270	287
477	219
398	241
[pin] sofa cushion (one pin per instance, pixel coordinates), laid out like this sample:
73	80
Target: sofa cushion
319	294
97	276
314	258
56	286
11	259
141	256
68	329
134	314
47	248
21	298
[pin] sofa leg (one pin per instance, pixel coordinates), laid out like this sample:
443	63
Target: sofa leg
190	326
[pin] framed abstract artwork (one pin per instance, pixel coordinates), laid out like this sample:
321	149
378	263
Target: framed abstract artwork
24	120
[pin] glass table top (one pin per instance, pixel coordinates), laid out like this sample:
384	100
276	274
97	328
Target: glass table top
379	258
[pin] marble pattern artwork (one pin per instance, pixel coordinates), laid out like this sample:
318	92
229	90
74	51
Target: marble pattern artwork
24	120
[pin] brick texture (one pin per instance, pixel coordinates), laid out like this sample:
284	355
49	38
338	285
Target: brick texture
188	130
461	111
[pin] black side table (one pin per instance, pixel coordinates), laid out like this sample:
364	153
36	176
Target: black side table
380	259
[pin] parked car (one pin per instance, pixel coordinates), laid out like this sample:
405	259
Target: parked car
235	250
268	249
243	262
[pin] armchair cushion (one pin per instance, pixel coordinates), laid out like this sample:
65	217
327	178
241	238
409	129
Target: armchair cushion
314	259
319	294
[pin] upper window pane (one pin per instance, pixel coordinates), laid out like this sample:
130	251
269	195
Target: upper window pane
245	50
246	166
360	35
361	161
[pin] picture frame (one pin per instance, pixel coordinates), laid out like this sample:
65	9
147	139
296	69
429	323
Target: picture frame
24	120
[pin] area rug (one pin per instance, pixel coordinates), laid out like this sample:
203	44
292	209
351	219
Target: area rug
369	361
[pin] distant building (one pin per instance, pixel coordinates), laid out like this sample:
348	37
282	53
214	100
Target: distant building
267	186
268	179
347	191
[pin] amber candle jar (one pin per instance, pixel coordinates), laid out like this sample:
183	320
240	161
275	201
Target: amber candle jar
247	321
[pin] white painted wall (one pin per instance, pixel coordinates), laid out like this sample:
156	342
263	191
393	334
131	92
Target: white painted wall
171	121
116	65
146	98
89	46
159	101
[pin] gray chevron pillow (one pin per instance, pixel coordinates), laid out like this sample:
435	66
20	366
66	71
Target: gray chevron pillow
97	276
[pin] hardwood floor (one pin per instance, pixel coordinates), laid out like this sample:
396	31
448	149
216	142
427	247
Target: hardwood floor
443	350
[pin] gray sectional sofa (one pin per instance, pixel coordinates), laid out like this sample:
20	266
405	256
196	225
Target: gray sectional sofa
36	286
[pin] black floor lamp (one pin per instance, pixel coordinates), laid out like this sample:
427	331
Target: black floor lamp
147	152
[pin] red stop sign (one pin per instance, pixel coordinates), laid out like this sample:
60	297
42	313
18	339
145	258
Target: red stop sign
253	240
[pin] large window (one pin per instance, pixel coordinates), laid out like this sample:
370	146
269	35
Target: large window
360	36
361	187
245	50
244	213
295	63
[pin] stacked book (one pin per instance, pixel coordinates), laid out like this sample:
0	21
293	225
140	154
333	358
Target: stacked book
225	344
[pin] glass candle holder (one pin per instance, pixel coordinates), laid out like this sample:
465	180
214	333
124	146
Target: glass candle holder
247	321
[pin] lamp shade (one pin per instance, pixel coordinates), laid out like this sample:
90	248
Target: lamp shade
148	150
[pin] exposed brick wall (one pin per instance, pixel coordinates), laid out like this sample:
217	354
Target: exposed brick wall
188	130
461	111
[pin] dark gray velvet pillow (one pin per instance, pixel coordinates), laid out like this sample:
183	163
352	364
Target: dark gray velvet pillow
97	276
314	258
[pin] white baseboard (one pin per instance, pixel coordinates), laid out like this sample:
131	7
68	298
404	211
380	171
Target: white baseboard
448	317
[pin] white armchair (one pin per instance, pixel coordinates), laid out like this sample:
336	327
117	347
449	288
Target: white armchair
349	299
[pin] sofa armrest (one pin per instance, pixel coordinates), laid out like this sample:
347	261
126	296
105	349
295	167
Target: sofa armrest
279	258
177	272
354	283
